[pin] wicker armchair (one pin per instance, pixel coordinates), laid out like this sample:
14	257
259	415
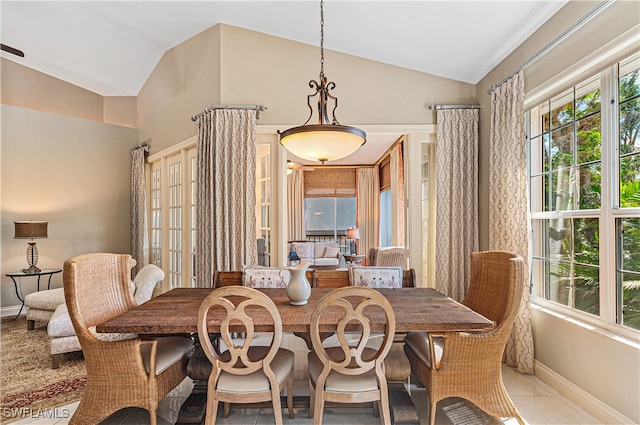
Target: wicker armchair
468	365
394	256
122	370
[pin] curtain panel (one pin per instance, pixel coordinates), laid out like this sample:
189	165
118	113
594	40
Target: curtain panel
397	184
456	199
226	198
295	205
368	208
508	204
138	210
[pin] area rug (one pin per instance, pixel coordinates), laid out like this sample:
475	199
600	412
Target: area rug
28	385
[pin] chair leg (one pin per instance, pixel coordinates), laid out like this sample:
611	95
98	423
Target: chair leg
277	406
318	408
153	417
212	410
226	409
385	413
312	398
432	412
31	325
55	361
292	413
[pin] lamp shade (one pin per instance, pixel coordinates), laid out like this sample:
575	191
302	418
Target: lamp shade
322	142
353	233
30	229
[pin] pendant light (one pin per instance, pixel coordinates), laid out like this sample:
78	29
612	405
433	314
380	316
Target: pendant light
327	140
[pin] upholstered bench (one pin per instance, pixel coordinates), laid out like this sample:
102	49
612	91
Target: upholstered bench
41	305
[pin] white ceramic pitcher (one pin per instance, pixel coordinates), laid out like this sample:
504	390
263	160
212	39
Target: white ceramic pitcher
298	289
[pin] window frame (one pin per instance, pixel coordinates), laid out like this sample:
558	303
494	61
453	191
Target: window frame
609	213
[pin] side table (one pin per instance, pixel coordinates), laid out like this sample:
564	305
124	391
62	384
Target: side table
354	258
19	275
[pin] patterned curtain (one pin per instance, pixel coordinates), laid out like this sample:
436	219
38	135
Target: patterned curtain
368	208
397	184
138	207
295	205
457	199
508	203
226	198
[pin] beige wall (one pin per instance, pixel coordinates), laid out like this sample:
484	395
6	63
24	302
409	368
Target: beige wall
255	68
27	88
603	367
73	173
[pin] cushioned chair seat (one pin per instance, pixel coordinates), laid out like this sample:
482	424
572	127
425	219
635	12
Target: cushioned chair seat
256	381
418	342
342	383
170	350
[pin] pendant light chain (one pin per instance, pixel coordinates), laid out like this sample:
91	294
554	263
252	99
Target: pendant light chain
321	39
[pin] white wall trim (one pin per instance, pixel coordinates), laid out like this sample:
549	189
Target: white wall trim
10	310
577	395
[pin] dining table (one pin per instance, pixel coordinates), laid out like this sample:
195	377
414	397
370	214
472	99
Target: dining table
176	312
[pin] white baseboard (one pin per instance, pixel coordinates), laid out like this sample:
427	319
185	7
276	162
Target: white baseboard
11	310
577	395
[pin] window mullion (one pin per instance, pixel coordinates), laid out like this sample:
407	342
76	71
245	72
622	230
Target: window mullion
609	185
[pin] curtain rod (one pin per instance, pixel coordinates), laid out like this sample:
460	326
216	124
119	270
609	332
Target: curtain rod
586	18
435	107
258	108
144	146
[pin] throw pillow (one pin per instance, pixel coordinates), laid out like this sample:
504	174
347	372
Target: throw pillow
376	277
265	277
331	252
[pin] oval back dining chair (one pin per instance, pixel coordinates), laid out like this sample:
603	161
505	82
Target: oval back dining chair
122	370
469	365
350	372
244	373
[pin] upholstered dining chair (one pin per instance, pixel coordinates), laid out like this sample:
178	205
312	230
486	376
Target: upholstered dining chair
244	373
122	369
350	372
468	365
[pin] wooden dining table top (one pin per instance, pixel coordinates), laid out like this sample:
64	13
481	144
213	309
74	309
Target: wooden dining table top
416	309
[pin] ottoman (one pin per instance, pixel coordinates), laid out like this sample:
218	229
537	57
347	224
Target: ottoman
41	305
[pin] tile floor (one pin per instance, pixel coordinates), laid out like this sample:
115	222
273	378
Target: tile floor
538	403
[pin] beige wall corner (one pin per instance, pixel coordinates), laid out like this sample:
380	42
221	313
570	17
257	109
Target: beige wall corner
121	110
184	82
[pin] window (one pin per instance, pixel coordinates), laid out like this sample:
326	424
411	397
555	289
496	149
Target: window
385	218
172	214
327	219
584	165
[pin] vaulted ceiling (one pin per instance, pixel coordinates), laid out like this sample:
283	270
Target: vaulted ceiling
90	43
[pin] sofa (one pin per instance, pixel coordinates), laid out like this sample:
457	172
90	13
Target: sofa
50	306
321	255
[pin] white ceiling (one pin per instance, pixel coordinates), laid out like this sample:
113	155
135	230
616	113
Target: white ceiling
111	47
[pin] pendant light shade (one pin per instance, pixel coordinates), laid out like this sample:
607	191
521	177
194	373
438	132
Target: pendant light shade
327	140
322	142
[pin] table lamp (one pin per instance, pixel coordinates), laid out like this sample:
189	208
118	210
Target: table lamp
353	234
30	230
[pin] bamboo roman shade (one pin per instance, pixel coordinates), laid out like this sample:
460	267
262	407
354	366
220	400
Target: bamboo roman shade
385	174
330	183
